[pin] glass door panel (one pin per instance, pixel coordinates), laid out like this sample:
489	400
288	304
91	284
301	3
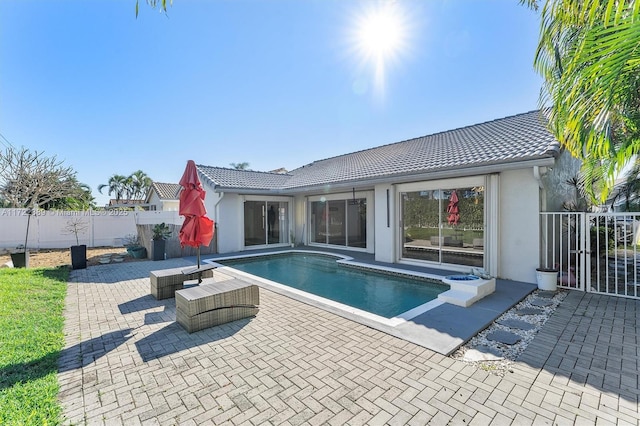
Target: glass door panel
421	225
444	226
357	223
255	223
336	226
318	225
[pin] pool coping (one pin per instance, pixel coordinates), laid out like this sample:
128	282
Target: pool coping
436	325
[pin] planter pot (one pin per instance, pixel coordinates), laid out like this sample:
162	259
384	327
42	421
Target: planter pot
79	257
158	249
138	252
547	279
20	259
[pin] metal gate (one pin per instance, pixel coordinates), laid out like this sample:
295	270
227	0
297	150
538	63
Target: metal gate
594	252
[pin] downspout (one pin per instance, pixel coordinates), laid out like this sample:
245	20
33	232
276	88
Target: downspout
217	210
538	173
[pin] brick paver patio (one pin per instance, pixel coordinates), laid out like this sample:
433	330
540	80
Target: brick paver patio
127	362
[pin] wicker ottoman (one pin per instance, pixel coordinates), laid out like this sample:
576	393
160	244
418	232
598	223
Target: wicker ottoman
213	303
165	282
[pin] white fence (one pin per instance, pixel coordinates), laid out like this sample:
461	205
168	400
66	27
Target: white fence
594	252
104	227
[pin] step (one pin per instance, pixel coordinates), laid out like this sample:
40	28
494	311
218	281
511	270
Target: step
459	298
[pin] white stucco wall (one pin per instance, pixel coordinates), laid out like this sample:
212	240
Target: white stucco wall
385	238
229	212
170	205
155	200
519	235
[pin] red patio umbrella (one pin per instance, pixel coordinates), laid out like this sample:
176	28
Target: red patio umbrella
197	229
452	209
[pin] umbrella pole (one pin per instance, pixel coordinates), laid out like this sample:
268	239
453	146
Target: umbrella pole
199	271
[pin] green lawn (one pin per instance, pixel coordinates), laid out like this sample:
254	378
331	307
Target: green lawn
465	235
31	338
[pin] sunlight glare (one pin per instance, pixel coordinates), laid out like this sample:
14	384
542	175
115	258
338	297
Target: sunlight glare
380	38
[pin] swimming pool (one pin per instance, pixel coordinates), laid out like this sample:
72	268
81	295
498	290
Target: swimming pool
383	294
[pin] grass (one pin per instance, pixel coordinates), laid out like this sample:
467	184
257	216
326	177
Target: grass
31	338
466	235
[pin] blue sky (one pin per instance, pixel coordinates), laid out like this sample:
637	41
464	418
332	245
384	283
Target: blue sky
275	83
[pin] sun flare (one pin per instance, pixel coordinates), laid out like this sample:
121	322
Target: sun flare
380	33
380	38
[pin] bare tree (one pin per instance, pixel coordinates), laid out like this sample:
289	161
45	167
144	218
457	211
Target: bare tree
29	179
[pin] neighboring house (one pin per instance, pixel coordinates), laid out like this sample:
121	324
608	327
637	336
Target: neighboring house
163	196
463	198
126	204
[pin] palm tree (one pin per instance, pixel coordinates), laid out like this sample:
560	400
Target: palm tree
589	56
140	184
117	185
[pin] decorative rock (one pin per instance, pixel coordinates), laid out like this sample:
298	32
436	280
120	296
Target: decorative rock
542	303
546	294
514	323
505	337
482	353
529	311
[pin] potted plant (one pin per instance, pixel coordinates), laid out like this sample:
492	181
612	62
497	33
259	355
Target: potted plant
20	257
292	238
134	247
75	227
547	278
161	233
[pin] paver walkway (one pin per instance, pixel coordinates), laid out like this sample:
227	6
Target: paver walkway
127	362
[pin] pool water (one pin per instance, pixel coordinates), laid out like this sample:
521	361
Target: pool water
379	293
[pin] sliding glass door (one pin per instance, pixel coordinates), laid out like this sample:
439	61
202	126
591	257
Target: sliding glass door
266	222
339	222
444	225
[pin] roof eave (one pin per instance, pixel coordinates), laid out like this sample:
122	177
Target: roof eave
449	173
432	175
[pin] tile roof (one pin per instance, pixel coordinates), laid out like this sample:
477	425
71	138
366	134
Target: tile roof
507	140
243	179
166	191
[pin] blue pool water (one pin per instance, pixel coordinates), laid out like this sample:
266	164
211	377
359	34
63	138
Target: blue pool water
381	294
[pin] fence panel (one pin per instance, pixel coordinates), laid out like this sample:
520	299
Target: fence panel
103	227
595	252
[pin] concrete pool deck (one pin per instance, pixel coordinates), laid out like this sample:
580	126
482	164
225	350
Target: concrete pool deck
126	361
443	328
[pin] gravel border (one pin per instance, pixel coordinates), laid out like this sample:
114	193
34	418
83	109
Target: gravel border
499	357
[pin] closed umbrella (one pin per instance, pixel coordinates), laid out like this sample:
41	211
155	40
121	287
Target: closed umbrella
197	229
452	209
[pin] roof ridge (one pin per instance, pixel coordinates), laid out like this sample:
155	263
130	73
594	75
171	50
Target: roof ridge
419	137
240	170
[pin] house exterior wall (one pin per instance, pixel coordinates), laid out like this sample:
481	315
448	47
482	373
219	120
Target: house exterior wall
228	212
154	199
558	190
386	236
163	205
170	205
519	225
512	220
